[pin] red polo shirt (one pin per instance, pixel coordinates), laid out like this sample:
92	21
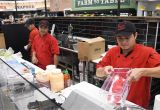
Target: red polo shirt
32	34
140	57
45	47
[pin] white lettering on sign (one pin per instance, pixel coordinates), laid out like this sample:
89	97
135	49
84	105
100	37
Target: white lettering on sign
90	2
98	2
78	3
102	1
25	7
85	2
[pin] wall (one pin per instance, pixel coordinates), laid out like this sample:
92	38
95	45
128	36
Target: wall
91	27
59	5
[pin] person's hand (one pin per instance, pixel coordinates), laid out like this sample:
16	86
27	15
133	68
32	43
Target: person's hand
26	47
135	74
34	60
104	71
108	70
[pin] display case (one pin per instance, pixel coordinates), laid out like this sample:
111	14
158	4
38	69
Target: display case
20	91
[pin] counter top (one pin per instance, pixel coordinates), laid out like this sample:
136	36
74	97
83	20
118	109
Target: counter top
24	83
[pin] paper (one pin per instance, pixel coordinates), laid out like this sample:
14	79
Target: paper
157	102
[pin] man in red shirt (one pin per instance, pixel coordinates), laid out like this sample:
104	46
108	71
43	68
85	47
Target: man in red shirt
128	54
45	48
30	24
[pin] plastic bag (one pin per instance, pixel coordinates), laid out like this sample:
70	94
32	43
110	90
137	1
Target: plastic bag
117	86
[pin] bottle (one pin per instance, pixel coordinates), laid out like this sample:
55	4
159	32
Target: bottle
81	76
67	78
56	80
86	78
70	28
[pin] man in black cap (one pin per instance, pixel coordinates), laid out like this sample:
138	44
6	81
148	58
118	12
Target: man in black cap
45	48
33	32
129	54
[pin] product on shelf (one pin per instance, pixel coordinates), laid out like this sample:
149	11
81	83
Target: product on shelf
67	79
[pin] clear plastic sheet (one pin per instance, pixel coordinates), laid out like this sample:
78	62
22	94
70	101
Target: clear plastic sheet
117	86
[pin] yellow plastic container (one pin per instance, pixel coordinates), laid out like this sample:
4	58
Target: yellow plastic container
56	80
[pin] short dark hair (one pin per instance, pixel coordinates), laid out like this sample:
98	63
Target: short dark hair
29	22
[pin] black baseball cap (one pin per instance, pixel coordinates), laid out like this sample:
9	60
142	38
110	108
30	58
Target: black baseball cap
125	28
44	23
29	22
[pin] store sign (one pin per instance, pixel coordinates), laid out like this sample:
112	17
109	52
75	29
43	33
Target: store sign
25	7
91	3
102	4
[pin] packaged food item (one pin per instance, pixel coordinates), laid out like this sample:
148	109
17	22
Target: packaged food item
67	78
43	78
50	67
56	80
25	70
117	86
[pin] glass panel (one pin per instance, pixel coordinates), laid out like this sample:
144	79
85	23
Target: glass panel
18	92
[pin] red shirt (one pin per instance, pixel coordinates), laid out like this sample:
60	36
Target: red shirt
32	34
140	57
45	47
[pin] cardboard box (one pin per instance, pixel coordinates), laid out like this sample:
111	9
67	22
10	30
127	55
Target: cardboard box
91	49
2	41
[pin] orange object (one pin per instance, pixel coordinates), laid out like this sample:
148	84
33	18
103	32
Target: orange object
67	79
56	80
34	32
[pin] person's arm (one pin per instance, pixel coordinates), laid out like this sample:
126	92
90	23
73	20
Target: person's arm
154	70
55	59
102	67
29	45
55	50
137	73
34	58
